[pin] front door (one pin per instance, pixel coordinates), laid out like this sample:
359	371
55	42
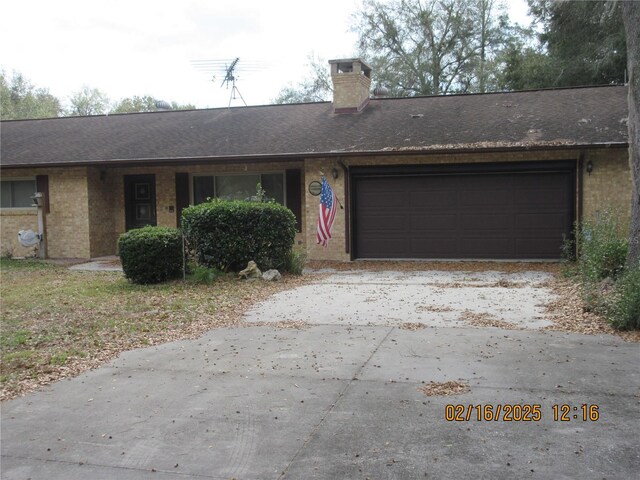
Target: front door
140	200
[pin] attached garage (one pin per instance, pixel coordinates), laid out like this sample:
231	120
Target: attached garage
486	211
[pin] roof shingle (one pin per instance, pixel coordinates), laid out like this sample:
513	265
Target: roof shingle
573	116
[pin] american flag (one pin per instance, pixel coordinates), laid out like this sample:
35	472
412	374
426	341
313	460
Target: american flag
327	213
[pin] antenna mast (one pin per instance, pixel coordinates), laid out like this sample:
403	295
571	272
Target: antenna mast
231	78
228	69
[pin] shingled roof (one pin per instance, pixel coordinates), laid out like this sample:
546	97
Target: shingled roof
583	116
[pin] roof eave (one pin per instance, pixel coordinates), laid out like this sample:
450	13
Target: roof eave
298	156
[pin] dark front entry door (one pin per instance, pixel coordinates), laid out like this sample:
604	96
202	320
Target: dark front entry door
140	200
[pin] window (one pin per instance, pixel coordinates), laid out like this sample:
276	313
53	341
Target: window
17	193
237	187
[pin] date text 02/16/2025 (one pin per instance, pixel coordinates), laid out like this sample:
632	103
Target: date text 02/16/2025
520	412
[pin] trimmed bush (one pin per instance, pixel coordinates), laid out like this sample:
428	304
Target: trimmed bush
226	234
151	254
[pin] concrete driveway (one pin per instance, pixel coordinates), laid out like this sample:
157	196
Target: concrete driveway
343	397
433	298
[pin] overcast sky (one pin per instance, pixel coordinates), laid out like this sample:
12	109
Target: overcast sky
147	47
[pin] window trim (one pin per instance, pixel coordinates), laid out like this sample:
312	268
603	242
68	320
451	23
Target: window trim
20	179
236	174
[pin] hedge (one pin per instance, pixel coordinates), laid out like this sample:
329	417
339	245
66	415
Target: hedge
226	234
151	254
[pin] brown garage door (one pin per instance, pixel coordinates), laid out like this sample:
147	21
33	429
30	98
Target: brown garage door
516	215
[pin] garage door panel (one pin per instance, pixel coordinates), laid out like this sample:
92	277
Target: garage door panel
432	198
486	247
486	221
537	199
430	247
539	247
382	223
433	222
482	199
382	198
495	215
541	221
385	247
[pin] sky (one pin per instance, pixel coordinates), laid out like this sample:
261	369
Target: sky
144	47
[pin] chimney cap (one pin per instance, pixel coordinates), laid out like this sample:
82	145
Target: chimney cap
346	65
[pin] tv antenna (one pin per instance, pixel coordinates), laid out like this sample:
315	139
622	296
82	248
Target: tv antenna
229	70
230	78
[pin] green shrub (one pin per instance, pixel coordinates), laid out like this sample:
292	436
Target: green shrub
204	275
602	248
623	310
296	259
227	234
151	254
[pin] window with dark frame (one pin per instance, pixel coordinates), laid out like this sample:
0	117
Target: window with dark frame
17	193
238	187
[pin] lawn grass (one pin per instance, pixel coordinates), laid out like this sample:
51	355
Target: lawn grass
56	322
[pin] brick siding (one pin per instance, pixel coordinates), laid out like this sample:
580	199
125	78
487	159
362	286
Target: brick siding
87	203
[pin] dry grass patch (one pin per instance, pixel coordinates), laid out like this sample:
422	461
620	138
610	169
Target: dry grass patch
58	323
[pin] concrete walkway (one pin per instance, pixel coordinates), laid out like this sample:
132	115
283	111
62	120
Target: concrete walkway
100	264
336	401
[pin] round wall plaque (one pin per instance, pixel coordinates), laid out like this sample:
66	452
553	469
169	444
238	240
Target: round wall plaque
315	188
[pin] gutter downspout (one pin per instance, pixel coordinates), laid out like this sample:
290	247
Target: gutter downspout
347	207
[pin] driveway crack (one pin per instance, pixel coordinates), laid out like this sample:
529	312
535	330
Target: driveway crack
335	403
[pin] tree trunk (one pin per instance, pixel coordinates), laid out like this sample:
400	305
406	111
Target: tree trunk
631	16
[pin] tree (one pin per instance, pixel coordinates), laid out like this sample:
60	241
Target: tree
179	106
525	66
88	101
315	88
492	33
145	103
581	43
135	104
19	99
432	47
631	15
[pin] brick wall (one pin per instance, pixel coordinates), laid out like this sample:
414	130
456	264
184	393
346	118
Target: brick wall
68	222
166	188
102	230
350	88
67	225
336	248
87	206
608	186
11	222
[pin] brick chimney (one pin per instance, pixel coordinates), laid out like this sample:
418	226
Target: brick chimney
351	79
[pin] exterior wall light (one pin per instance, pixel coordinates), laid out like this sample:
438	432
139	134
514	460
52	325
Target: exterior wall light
334	173
38	200
589	167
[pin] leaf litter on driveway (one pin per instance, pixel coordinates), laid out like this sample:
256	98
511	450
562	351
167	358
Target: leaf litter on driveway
58	323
